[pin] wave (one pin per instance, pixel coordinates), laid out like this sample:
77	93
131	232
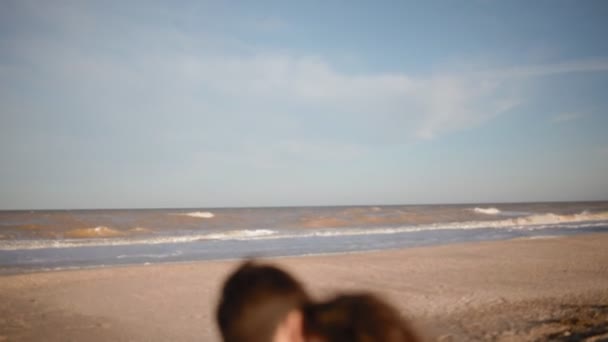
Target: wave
153	256
551	218
199	214
101	231
240	234
531	222
122	241
476	225
487	211
140	230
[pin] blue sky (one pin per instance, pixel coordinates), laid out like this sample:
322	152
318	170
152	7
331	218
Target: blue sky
212	104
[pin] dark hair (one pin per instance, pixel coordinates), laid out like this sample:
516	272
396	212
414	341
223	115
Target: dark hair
361	317
254	300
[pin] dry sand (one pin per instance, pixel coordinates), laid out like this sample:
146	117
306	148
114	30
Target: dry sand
536	289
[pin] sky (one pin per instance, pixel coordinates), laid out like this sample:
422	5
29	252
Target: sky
152	104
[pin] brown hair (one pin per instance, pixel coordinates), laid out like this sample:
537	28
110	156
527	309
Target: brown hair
361	317
254	300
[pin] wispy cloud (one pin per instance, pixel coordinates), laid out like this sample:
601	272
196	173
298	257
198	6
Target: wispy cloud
210	96
547	69
567	117
148	70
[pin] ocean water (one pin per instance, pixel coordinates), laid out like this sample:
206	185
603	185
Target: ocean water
63	239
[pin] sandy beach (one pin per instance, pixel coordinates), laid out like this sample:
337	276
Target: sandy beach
553	288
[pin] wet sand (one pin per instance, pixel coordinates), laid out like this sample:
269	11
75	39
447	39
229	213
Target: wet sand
536	289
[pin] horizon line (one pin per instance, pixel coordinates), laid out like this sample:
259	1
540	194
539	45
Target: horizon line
313	206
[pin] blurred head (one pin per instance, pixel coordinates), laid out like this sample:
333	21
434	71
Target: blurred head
357	318
261	303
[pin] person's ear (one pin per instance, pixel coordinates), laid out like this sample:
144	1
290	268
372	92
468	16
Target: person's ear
294	322
291	329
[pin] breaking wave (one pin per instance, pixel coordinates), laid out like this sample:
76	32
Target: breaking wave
153	256
487	211
101	231
531	222
240	234
122	241
199	214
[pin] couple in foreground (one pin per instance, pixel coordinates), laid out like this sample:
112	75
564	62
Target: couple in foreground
262	303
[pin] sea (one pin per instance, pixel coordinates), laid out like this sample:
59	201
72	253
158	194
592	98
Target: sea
48	240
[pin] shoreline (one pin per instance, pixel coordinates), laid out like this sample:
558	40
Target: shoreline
6	271
489	290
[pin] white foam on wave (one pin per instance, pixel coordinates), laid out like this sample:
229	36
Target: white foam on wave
245	234
100	231
540	237
199	214
487	211
241	234
531	222
154	256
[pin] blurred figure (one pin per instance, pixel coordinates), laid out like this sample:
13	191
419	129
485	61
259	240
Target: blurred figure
359	317
261	303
